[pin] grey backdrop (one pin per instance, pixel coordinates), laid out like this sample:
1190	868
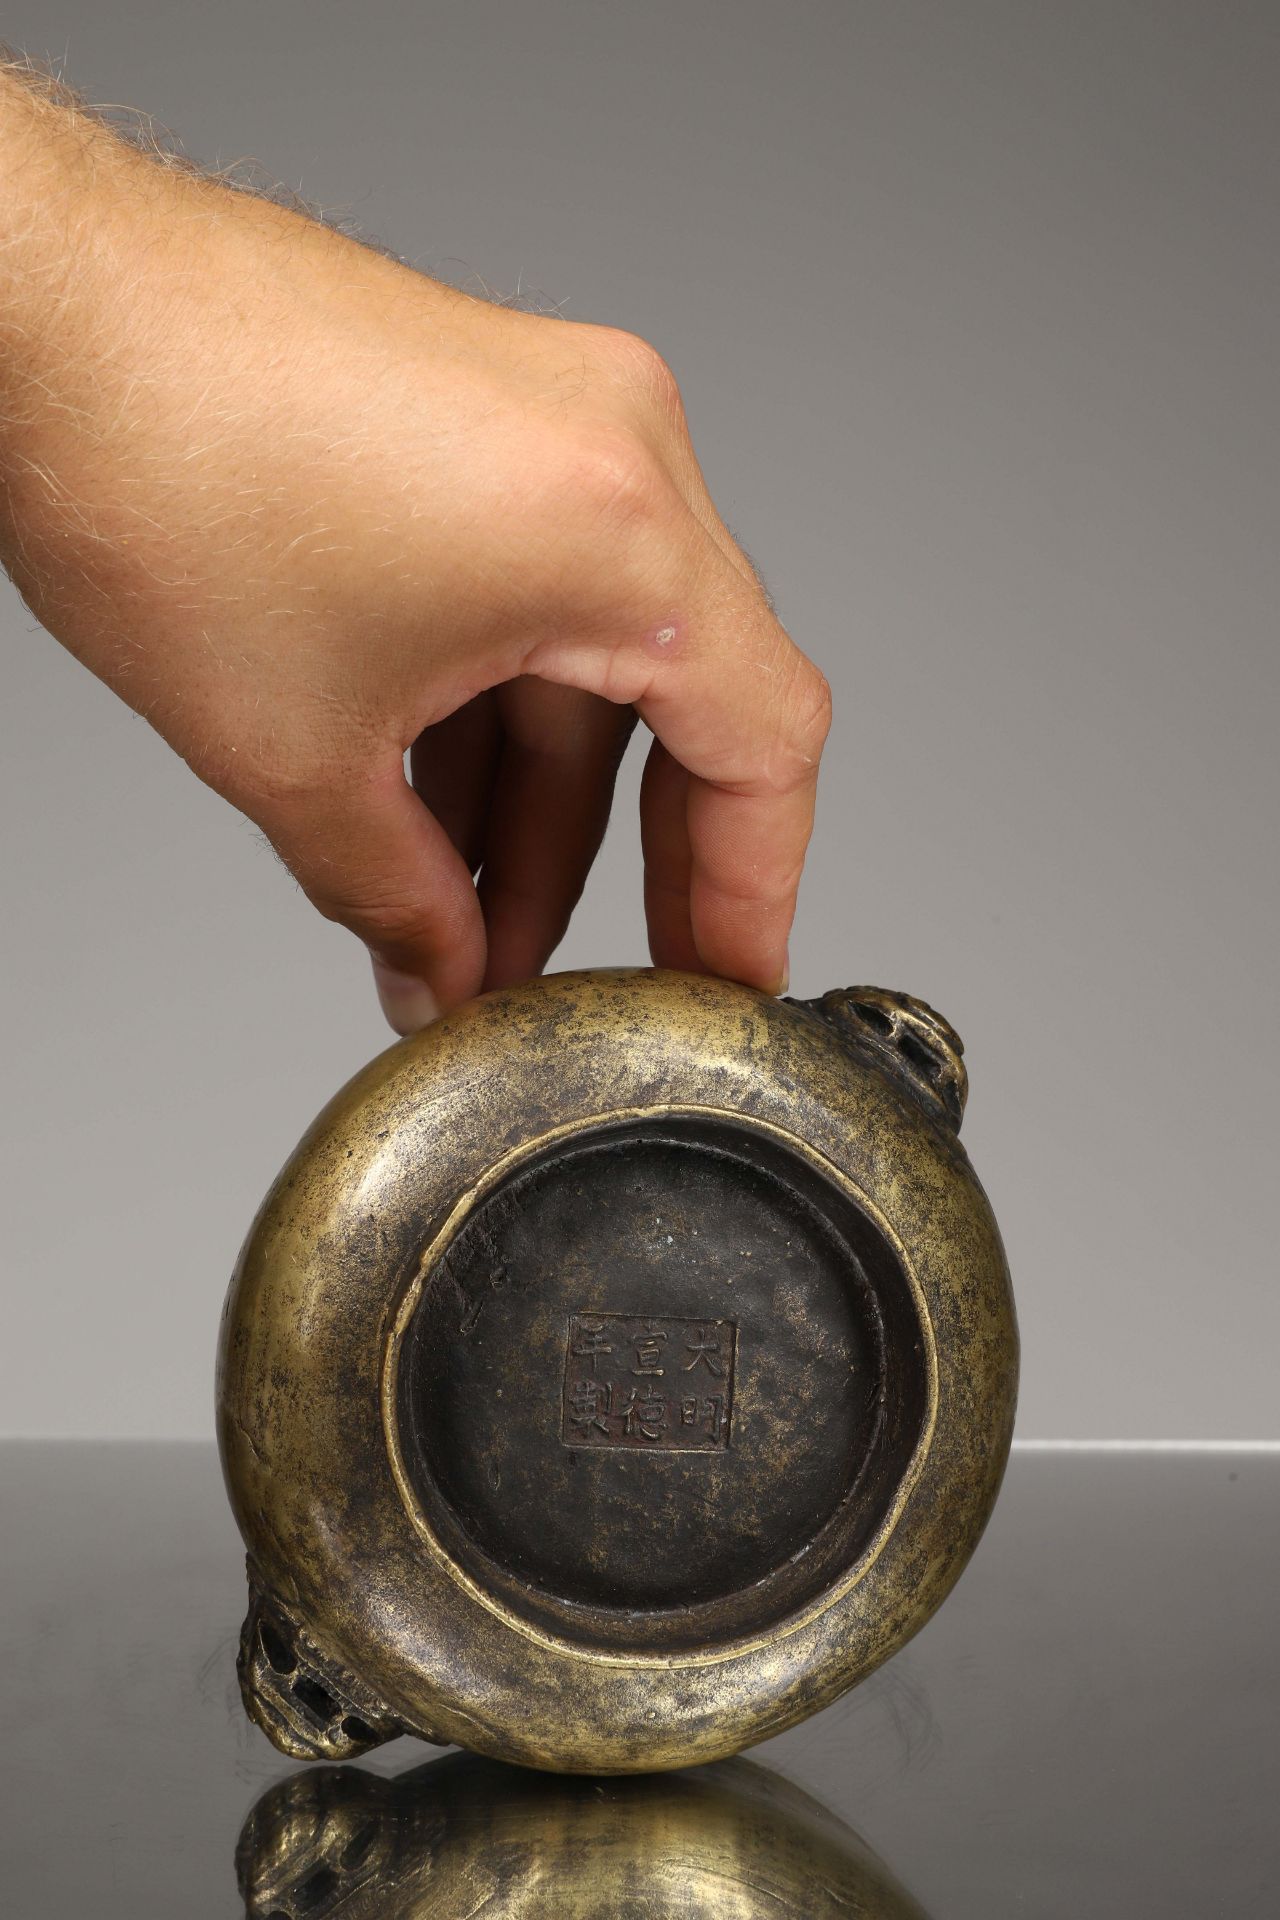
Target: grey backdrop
974	311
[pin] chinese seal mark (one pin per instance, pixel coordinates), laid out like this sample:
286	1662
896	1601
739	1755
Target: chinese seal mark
654	1383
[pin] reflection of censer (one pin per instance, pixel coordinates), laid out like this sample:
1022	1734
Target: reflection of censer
463	1836
619	1370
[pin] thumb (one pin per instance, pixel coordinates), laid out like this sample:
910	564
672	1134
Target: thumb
369	855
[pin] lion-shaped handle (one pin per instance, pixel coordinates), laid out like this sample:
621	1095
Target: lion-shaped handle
913	1041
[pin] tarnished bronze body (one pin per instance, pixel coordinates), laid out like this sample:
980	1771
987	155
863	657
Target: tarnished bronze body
619	1370
462	1836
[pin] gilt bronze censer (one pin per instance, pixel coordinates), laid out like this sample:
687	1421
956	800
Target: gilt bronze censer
619	1370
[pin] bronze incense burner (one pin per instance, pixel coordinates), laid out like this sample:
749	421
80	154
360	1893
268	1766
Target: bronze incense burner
618	1371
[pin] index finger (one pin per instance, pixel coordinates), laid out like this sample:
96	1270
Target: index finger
740	709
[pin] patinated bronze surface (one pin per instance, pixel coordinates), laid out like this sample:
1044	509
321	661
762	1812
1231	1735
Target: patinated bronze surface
463	1836
619	1370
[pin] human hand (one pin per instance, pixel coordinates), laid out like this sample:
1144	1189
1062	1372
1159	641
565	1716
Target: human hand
306	510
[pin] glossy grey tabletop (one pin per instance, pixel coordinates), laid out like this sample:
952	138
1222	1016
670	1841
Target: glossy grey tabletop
1087	1727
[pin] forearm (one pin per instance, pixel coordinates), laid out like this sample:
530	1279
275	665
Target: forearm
85	225
77	201
146	396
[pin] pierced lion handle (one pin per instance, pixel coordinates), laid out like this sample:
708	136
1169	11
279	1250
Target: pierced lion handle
906	1036
307	1705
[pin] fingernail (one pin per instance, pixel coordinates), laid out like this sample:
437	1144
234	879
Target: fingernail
785	981
408	1002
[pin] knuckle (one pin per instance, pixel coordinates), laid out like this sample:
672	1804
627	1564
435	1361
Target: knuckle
281	776
801	723
781	772
813	709
267	789
627	482
612	479
640	369
383	920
